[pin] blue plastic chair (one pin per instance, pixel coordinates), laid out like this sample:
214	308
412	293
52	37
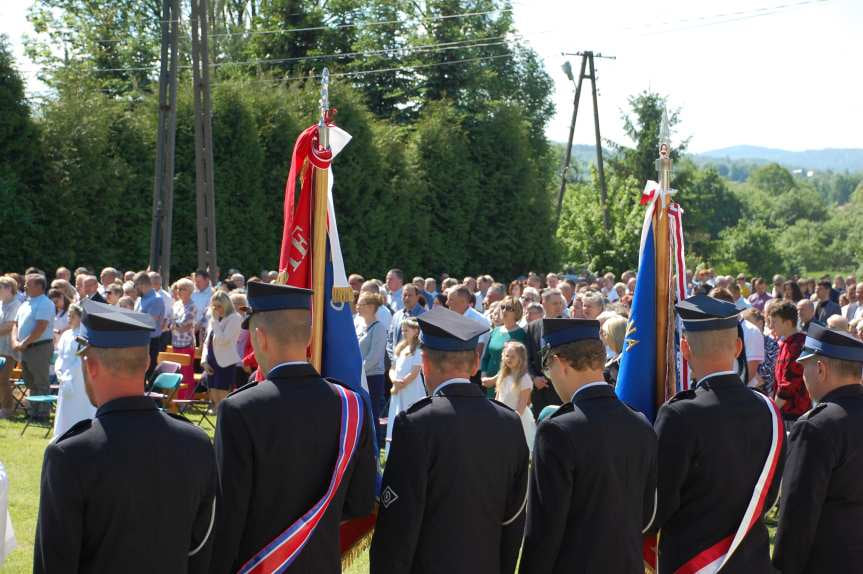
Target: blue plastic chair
46	400
165	386
167	382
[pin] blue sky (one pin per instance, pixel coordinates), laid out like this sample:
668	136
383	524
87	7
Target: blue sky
777	73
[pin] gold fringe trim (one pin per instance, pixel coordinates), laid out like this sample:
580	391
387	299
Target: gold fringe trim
343	295
282	278
357	549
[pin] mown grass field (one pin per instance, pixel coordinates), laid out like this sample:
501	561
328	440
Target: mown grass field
22	458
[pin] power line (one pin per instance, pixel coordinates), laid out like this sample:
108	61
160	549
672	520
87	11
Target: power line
359	24
48	95
723	18
376	71
251	32
425	48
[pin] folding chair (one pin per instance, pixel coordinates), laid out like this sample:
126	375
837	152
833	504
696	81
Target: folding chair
165	387
19	388
194	407
50	400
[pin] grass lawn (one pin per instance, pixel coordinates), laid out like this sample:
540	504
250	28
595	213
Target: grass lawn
22	458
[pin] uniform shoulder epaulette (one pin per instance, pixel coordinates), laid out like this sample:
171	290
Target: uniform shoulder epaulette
814	411
243	388
507	407
683	395
419	404
76	429
178	416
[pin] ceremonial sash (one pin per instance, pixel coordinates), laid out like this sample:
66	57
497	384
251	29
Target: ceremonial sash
284	549
714	558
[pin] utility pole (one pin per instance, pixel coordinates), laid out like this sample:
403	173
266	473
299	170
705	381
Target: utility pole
163	185
587	71
204	191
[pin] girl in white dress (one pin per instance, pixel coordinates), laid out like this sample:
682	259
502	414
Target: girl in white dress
514	385
408	386
73	404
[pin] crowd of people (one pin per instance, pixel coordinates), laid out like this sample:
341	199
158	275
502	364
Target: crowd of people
547	349
200	315
774	319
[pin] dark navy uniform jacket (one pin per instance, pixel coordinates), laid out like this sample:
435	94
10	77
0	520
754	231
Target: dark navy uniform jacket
713	443
131	491
276	445
454	487
592	488
821	513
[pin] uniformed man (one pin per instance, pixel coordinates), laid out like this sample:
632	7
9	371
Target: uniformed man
721	451
822	494
593	480
455	483
278	448
134	489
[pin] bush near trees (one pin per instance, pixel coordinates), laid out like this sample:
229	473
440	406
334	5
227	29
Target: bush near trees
448	171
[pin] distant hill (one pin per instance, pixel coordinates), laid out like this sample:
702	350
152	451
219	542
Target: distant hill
819	160
837	160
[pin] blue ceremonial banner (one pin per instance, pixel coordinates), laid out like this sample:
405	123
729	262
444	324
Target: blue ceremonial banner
341	353
341	358
636	380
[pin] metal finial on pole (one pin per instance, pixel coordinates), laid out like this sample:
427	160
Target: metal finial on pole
665	367
319	228
664	163
323	130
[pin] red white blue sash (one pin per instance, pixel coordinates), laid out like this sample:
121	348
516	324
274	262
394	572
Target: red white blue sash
714	558
281	552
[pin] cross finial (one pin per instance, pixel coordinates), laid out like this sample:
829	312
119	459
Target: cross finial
664	135
325	92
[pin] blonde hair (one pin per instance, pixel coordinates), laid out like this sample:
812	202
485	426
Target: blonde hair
368	298
222	299
514	305
9	283
518	372
185	283
413	324
238	300
614	330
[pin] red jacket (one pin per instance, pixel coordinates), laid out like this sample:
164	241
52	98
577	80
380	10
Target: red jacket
788	374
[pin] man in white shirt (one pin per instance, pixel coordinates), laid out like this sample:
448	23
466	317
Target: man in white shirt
753	341
854	309
201	298
395	281
168	300
458	300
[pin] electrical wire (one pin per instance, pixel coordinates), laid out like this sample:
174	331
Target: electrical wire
376	71
425	48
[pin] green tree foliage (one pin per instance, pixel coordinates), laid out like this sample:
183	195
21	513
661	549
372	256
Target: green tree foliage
709	208
510	174
447	191
21	164
642	126
98	182
773	179
749	247
114	43
584	244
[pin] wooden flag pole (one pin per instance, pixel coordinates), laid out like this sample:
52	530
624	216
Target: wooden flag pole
662	242
319	232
